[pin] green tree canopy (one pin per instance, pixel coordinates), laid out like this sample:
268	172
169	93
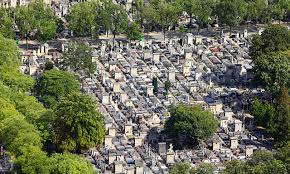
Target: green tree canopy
33	161
16	132
6	24
69	163
283	116
134	31
81	18
190	122
186	168
9	54
264	114
54	84
231	12
78	58
78	125
274	38
272	71
36	16
262	162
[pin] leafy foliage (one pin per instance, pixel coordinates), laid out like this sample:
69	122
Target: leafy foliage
81	18
36	17
6	24
54	84
190	122
230	12
274	38
262	162
134	31
272	71
16	132
9	54
186	168
78	58
78	125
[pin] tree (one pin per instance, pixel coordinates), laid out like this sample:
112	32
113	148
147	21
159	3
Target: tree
230	12
82	18
264	115
283	154
78	58
274	38
11	77
235	167
54	84
69	163
16	132
262	162
9	54
155	85
280	9
190	124
8	109
112	17
181	168
204	10
257	11
78	125
167	15
167	85
6	24
149	17
272	71
134	31
186	168
48	65
204	169
32	161
283	116
36	16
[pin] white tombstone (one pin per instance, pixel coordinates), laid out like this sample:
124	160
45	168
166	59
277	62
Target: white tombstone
188	55
249	150
224	123
156	57
116	87
130	170
123	97
105	98
133	71
138	141
112	158
234	142
118	167
216	145
118	75
189	38
245	33
186	71
170	155
128	129
198	40
147	54
150	90
171	75
238	125
108	141
139	169
112	131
